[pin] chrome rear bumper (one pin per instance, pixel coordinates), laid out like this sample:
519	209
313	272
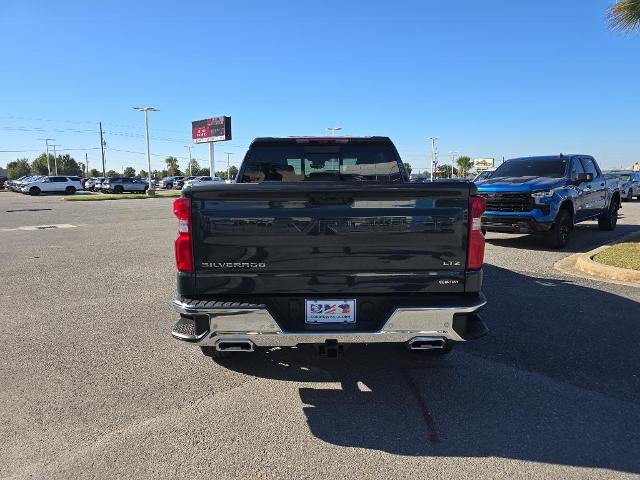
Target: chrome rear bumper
259	326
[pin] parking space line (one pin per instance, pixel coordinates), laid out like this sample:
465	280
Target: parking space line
38	227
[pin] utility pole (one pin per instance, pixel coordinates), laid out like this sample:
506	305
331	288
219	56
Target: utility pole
434	154
189	147
104	174
46	141
228	166
453	156
55	159
86	165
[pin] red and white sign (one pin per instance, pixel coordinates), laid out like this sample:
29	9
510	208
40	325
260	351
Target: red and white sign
216	129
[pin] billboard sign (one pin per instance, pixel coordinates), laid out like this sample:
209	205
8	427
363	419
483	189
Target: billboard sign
216	129
483	163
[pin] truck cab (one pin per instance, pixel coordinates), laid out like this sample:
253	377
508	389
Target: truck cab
548	195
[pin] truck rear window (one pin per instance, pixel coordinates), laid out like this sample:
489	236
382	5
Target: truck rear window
303	163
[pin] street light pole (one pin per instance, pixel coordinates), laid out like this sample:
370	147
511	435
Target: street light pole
228	166
46	141
55	159
453	155
146	111
333	130
433	153
189	147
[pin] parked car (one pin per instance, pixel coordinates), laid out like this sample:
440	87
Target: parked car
124	184
169	182
2	181
304	250
549	195
483	175
180	182
90	183
200	180
629	183
17	185
52	184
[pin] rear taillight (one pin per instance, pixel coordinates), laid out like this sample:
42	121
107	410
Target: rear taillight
184	254
475	250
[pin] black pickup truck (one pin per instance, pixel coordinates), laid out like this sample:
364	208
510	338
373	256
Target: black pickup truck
324	241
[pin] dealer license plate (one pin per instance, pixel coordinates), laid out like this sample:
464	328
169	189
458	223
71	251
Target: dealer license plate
330	311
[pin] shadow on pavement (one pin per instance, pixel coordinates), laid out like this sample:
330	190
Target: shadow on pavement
556	381
585	237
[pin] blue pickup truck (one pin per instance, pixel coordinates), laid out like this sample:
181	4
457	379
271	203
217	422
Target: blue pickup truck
548	195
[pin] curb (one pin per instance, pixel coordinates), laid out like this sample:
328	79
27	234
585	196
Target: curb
584	263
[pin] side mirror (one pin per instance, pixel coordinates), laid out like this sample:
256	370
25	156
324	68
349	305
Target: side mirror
584	177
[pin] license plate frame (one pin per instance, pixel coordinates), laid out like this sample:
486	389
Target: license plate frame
330	311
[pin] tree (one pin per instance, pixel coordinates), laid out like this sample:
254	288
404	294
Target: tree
112	173
444	171
464	165
143	174
129	172
204	172
94	173
40	166
172	166
18	168
195	167
68	166
625	15
407	167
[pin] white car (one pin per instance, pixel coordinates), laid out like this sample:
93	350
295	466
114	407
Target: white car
207	180
68	185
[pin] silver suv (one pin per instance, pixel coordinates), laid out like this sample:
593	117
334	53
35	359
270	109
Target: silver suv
123	184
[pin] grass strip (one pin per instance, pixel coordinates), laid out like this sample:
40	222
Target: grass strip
621	255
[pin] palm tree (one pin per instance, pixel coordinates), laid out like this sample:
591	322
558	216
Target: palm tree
464	164
172	165
625	15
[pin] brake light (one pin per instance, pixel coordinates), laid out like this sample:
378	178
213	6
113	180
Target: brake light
475	249
184	254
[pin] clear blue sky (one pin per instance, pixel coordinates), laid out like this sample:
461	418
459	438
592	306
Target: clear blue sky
491	78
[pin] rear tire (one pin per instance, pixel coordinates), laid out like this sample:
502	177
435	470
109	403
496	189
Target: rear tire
168	186
211	352
608	220
558	236
118	189
35	191
70	190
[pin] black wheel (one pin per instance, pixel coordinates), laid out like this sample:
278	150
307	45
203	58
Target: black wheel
608	220
70	190
558	236
630	195
34	191
144	190
118	189
213	353
168	186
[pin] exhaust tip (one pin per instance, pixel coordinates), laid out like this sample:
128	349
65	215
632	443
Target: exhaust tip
426	343
235	346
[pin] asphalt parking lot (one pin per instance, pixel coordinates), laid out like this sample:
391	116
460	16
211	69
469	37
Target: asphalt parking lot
94	386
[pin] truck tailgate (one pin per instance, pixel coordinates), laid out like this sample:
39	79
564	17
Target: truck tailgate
322	238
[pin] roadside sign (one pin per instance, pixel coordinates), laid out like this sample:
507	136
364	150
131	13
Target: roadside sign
483	163
216	129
